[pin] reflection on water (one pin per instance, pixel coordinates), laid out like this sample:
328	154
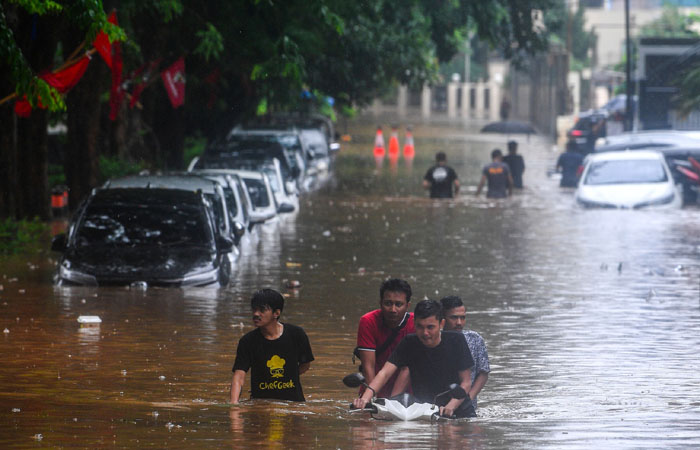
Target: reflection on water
592	320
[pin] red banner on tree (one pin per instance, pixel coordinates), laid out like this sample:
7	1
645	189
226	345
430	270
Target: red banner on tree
102	44
63	81
174	82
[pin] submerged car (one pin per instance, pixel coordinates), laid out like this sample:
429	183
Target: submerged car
143	236
627	180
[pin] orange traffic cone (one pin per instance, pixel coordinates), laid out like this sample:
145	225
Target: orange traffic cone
409	151
394	143
379	150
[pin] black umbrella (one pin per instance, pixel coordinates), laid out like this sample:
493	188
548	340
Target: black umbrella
509	127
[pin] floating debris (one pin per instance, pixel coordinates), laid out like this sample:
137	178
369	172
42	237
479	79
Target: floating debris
6	331
16	410
161	378
38	437
679	268
22	291
619	267
155	414
293	264
293	284
124	372
327	233
89	321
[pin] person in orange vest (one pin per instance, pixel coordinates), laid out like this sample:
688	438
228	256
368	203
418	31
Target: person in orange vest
497	173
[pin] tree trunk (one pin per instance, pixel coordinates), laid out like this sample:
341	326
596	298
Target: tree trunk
8	159
33	166
83	121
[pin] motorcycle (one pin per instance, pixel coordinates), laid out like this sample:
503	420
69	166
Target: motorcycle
404	406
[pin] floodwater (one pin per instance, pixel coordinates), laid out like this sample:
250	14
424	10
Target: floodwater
591	318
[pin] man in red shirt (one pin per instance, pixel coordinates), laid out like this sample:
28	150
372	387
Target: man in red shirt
381	330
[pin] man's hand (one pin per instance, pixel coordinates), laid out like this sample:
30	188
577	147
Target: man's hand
360	403
446	411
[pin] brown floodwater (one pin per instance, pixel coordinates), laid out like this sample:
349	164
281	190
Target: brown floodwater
591	318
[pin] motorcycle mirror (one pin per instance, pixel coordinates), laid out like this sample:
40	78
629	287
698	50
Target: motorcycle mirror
354	380
457	391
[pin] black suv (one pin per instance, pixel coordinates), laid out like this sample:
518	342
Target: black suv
590	126
160	237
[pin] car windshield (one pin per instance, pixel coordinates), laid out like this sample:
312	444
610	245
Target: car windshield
272	175
626	172
143	224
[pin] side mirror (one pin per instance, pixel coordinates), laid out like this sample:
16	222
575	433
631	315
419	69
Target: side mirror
290	187
59	242
334	147
238	230
224	244
285	208
354	380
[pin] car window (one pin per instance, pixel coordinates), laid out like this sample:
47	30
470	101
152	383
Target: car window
625	172
272	174
258	192
231	202
146	224
218	211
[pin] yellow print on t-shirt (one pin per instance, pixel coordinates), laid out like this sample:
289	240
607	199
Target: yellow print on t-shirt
276	365
495	170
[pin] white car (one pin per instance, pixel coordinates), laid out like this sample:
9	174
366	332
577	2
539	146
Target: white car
627	180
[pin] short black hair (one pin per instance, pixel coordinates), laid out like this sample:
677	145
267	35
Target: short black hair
440	156
512	145
267	298
451	302
395	285
496	153
428	308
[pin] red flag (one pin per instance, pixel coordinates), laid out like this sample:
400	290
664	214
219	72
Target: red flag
116	94
102	44
63	81
174	81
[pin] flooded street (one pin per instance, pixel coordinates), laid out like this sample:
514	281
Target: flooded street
591	318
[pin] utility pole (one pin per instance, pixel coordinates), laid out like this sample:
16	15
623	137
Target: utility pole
628	69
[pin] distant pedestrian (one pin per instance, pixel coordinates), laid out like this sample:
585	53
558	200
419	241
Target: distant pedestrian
568	164
441	178
515	163
497	173
504	110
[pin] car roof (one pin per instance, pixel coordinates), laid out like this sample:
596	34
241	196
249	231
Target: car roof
651	137
182	182
248	174
627	155
111	196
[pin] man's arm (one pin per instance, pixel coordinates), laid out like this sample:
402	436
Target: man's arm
367	359
449	409
510	184
478	384
376	384
237	385
481	185
402	382
456	186
426	184
303	367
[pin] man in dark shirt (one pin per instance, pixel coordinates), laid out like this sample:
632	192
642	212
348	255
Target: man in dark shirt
440	178
516	164
435	359
568	164
498	176
277	353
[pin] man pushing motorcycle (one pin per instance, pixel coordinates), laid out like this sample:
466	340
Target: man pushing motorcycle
435	359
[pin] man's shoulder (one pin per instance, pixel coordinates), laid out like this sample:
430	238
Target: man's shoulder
294	329
472	335
372	317
250	336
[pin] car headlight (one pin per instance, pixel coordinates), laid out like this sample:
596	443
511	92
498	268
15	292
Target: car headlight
660	201
66	273
201	277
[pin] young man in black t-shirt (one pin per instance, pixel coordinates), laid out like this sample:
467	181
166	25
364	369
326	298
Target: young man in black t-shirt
277	353
441	178
435	359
